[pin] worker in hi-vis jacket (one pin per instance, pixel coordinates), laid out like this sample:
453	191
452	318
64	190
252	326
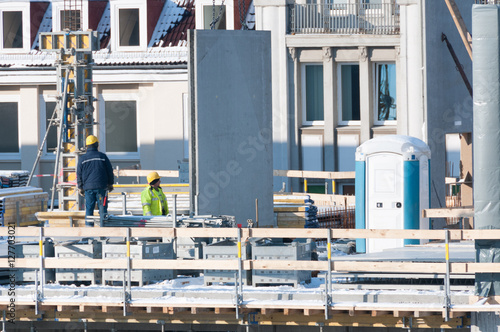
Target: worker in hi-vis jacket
154	202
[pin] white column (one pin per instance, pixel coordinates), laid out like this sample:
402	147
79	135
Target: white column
412	38
271	15
29	128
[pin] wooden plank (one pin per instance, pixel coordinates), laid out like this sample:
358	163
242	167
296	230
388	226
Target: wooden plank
456	212
144	173
460	24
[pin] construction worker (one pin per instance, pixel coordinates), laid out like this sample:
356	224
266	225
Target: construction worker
95	178
154	202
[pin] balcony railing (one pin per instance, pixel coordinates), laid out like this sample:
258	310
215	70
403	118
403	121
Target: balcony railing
359	18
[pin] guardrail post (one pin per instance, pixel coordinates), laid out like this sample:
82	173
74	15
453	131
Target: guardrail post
447	277
239	282
42	269
124	203
328	282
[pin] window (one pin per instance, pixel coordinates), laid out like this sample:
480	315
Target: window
349	93
121	126
214	13
210	9
313	101
9	127
71	19
51	143
386	93
129	27
12	29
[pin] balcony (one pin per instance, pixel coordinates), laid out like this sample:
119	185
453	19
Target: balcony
346	19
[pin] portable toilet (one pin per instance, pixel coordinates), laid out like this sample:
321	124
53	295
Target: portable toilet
392	187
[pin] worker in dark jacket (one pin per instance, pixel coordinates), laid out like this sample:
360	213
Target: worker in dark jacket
95	178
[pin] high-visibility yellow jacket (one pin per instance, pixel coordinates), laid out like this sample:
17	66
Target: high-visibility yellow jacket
154	202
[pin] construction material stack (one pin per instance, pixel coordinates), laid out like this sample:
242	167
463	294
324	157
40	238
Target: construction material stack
295	211
19	205
74	111
9	179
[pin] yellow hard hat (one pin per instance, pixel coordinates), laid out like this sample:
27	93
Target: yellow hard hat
91	139
153	176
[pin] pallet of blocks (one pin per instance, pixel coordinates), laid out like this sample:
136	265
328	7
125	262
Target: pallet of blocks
19	205
295	211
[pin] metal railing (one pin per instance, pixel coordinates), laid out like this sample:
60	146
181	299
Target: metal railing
487	2
360	18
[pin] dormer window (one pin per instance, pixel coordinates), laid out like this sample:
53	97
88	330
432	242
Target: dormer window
71	15
219	12
12	29
128	25
215	15
14	22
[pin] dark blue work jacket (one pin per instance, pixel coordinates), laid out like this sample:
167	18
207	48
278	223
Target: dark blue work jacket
94	170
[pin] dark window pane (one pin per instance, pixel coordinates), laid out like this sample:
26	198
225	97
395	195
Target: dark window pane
70	19
129	27
350	92
12	30
51	143
121	126
211	13
314	93
9	128
386	92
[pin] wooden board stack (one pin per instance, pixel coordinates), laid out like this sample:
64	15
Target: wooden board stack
64	218
295	211
19	205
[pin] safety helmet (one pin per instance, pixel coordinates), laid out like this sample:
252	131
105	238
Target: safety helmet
153	176
91	139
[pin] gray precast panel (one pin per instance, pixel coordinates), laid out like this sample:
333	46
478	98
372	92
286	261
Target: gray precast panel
231	159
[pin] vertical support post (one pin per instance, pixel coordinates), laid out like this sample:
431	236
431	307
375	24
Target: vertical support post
239	288
124	203
129	263
3	322
41	253
328	283
305	185
257	212
124	284
447	278
174	211
36	293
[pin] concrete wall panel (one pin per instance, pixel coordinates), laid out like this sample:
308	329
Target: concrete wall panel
231	157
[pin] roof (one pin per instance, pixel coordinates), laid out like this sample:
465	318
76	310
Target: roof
168	22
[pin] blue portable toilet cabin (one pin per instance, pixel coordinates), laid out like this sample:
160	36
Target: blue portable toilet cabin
392	187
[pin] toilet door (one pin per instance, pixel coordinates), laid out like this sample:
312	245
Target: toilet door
384	198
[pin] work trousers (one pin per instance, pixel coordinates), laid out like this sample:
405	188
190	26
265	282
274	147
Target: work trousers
93	196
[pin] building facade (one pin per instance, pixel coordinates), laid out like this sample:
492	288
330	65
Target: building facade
349	70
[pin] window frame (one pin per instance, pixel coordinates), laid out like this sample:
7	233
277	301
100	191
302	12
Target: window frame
303	92
339	96
8	156
115	25
44	99
58	7
101	127
25	15
376	121
199	8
